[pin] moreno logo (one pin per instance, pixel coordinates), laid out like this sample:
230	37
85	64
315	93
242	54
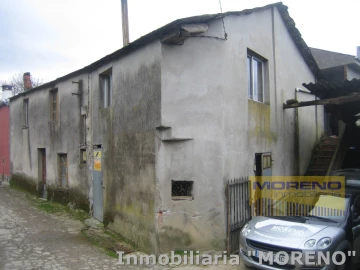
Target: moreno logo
309	185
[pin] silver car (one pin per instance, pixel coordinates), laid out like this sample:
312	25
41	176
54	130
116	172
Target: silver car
307	234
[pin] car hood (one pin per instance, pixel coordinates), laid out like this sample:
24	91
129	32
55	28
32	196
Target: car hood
290	234
287	228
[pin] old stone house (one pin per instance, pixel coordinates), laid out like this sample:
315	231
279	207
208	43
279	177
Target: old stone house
4	133
147	137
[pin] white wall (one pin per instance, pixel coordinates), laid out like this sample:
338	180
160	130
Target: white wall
204	97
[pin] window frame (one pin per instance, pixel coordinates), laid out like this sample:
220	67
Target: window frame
106	89
54	112
60	155
253	91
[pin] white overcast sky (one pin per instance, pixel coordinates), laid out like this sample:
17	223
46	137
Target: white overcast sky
51	38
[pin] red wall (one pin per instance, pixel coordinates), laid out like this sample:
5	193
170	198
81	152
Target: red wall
4	141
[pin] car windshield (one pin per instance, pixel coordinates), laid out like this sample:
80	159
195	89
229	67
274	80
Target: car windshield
326	208
329	207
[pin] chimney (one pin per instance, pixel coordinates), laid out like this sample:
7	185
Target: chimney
125	22
358	52
27	81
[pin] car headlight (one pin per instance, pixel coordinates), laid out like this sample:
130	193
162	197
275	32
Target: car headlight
246	230
310	243
324	242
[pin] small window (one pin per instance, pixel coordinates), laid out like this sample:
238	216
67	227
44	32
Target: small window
63	170
25	112
54	105
106	89
256	75
182	190
83	156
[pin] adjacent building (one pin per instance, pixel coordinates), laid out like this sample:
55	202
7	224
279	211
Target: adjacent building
336	67
4	133
147	137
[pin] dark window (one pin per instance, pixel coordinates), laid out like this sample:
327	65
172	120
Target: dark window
26	112
182	190
83	156
54	113
263	161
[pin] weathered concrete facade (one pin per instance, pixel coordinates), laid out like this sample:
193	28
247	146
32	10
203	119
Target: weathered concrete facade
177	113
54	137
126	132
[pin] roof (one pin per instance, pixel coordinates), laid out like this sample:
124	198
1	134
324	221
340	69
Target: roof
4	103
160	32
333	89
328	59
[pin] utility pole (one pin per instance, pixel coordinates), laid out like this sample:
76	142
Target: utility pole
125	22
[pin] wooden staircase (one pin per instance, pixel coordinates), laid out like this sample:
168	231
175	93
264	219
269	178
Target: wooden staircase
323	156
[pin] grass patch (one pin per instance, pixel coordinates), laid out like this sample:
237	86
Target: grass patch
18	187
56	208
182	252
119	238
99	242
51	207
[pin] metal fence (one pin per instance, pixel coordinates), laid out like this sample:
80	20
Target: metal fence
238	210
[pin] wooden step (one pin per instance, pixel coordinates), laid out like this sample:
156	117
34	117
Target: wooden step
327	146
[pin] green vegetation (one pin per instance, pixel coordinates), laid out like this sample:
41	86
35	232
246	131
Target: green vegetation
121	239
53	207
98	241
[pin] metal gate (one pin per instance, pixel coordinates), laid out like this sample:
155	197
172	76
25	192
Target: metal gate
238	211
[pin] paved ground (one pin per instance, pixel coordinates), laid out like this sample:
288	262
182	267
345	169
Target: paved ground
33	240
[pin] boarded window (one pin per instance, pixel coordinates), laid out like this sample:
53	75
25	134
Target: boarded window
182	190
63	170
25	112
54	105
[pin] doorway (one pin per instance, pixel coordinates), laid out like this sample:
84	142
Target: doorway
98	187
42	172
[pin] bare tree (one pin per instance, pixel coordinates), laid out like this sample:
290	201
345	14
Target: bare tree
17	82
